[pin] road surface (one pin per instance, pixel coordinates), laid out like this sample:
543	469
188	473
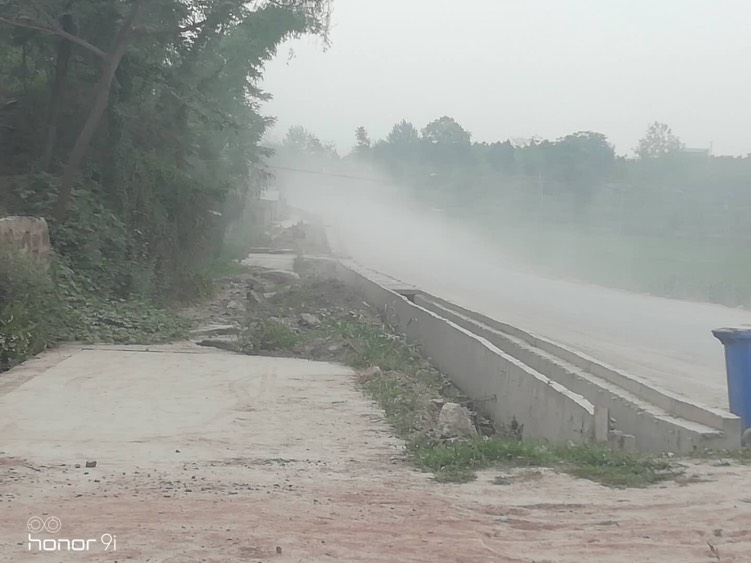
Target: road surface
668	342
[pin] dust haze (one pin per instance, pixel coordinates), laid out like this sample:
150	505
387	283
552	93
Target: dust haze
376	223
602	204
381	226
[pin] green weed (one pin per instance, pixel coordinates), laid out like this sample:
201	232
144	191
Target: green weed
602	465
267	335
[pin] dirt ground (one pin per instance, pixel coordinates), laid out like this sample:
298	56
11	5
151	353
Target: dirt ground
215	457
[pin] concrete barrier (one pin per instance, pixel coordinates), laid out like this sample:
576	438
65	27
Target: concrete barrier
555	392
671	403
654	427
30	234
501	387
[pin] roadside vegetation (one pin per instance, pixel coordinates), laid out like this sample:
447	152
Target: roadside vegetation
319	318
134	129
42	304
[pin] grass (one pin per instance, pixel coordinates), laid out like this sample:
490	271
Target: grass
31	307
372	345
406	383
406	388
267	335
699	269
602	465
124	322
43	304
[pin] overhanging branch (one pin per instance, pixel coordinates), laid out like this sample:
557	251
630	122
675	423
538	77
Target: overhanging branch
59	33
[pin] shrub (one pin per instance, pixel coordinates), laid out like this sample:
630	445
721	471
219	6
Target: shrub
31	309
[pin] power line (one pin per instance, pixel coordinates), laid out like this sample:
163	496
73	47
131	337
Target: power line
331	174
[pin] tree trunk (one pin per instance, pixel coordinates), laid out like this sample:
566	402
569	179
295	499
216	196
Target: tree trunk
64	51
101	100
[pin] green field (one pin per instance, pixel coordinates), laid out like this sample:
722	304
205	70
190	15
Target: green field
709	270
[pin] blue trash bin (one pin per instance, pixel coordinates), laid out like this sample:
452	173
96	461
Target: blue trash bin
737	342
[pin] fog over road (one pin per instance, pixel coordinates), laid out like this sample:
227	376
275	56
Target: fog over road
668	342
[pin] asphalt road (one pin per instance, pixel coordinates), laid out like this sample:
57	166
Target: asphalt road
668	342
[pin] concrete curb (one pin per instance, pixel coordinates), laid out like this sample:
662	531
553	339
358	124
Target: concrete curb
555	392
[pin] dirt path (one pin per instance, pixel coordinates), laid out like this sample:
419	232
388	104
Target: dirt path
208	456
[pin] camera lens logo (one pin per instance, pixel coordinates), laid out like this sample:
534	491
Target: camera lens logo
50	525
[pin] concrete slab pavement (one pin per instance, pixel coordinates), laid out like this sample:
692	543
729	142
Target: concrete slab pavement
166	406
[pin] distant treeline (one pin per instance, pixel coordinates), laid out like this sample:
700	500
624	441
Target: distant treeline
577	180
667	220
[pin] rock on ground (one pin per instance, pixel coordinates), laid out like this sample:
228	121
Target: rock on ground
454	422
308	320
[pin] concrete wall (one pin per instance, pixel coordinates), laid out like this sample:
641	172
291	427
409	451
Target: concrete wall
502	387
654	429
554	392
30	234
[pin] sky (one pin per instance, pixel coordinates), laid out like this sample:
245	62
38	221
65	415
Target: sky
514	69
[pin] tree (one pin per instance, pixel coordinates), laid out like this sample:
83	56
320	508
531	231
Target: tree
138	121
402	134
299	141
45	23
501	156
445	130
363	141
176	27
446	146
582	161
658	142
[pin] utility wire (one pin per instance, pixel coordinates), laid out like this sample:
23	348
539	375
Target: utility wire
318	173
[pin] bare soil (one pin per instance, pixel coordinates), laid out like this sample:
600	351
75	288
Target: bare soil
300	461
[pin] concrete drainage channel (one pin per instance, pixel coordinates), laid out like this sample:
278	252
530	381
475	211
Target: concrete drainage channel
554	392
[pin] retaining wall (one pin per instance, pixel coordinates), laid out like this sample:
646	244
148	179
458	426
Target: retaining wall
655	429
500	386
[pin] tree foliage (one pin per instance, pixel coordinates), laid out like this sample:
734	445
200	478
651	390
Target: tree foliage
403	134
133	125
363	140
576	179
445	131
658	142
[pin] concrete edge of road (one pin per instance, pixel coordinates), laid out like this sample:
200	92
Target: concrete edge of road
653	428
18	375
671	403
649	418
515	391
23	372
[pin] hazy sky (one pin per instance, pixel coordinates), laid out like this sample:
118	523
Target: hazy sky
522	68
